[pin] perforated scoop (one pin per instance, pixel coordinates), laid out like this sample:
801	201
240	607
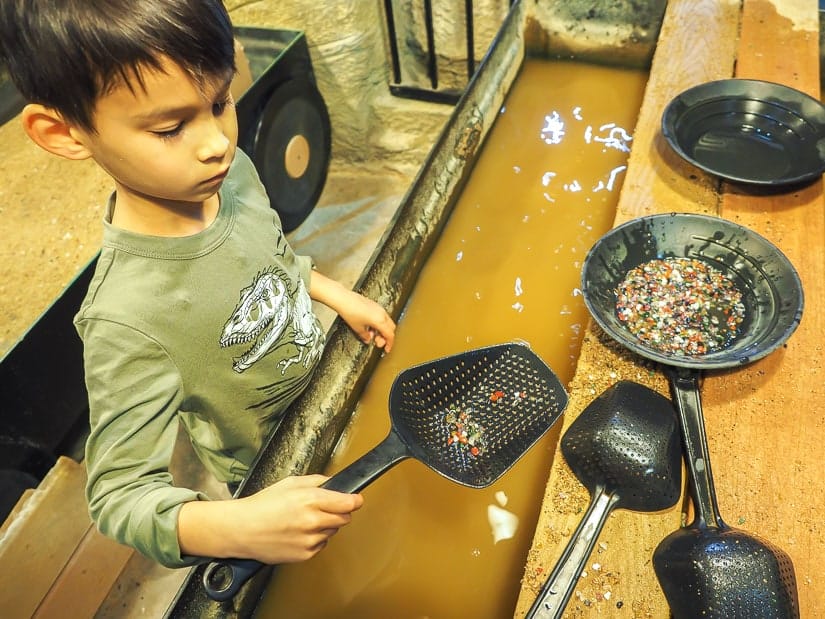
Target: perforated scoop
708	568
726	573
469	417
624	447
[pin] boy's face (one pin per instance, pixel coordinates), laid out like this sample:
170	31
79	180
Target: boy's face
168	142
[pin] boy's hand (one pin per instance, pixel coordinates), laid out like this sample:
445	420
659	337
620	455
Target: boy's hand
370	322
292	520
289	521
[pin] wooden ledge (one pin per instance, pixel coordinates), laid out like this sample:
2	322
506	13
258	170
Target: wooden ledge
53	561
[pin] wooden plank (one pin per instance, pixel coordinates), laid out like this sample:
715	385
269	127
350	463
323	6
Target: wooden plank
18	507
41	539
765	422
87	578
696	44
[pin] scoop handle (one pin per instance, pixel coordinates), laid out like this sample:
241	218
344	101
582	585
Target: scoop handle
559	586
370	466
684	384
223	578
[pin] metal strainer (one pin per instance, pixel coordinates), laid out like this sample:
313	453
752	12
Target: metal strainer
469	417
624	447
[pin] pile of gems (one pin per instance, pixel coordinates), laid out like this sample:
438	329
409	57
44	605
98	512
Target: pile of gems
680	306
464	433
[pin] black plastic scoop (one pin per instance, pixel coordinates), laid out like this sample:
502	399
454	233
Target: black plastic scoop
469	417
624	447
715	578
710	566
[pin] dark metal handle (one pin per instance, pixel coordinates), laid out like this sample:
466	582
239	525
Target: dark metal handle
223	578
684	384
556	592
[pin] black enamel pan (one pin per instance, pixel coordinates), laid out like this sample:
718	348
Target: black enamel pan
749	131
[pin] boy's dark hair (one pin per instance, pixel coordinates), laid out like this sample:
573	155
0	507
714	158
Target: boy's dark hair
65	54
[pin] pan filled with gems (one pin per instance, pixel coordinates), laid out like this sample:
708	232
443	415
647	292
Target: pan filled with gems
692	291
695	293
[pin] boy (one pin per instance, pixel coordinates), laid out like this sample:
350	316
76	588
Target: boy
199	312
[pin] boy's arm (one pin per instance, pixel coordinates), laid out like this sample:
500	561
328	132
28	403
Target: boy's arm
287	522
366	318
134	395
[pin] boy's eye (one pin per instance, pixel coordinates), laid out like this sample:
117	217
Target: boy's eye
169	133
219	107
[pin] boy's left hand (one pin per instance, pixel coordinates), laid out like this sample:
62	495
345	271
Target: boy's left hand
370	322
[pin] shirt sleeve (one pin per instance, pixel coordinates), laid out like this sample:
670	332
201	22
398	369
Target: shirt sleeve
134	395
252	190
305	266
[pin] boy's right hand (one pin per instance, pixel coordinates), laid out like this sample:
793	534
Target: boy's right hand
291	520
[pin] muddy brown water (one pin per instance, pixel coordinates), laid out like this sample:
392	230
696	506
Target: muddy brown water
507	267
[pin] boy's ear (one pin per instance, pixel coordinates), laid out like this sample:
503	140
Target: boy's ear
49	131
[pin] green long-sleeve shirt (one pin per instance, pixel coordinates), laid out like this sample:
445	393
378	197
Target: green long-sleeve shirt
214	331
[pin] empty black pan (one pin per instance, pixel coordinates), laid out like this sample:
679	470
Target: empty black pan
469	417
748	131
702	569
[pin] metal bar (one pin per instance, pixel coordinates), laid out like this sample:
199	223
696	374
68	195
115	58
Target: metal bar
432	68
425	94
396	63
471	63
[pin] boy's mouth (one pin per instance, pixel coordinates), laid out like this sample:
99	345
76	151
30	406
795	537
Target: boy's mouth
218	178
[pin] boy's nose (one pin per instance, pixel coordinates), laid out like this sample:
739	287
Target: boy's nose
214	144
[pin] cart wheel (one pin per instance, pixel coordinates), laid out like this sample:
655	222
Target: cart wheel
291	149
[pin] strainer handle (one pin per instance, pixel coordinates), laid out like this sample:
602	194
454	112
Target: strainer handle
559	586
684	384
371	465
223	578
